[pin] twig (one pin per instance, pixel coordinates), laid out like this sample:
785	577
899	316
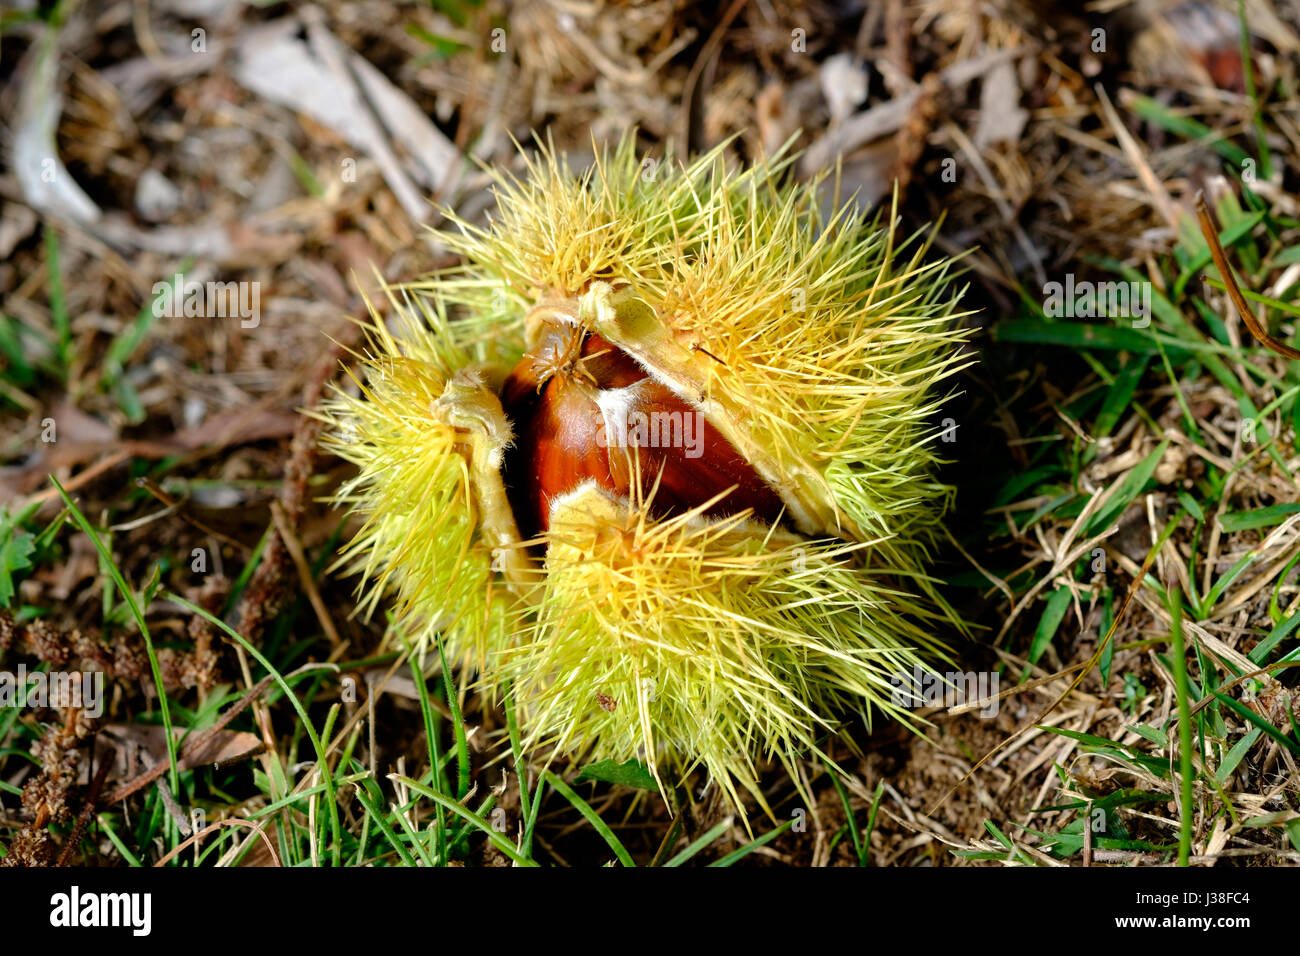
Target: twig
195	745
229	822
151	486
691	103
294	547
1234	291
92	798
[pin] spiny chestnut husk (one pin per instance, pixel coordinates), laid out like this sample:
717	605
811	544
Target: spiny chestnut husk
657	461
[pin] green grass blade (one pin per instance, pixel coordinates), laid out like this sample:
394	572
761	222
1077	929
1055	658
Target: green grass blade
500	842
753	845
321	757
700	843
1248	715
457	726
1179	652
591	817
129	596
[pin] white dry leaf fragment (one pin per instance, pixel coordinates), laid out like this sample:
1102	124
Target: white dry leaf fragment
886	118
139	82
437	161
844	84
1002	118
865	177
46	184
277	186
1264	22
864	127
1188	44
193	411
274	63
228	244
337	88
1174	44
48	187
1283	284
197	9
334	58
220	497
1204	25
156	197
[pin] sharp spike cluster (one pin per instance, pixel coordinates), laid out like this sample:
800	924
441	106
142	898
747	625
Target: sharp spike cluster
813	345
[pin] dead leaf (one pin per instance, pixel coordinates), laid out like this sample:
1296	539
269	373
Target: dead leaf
45	182
135	747
1002	119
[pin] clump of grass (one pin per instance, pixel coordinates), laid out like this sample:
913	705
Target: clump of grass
1189	423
